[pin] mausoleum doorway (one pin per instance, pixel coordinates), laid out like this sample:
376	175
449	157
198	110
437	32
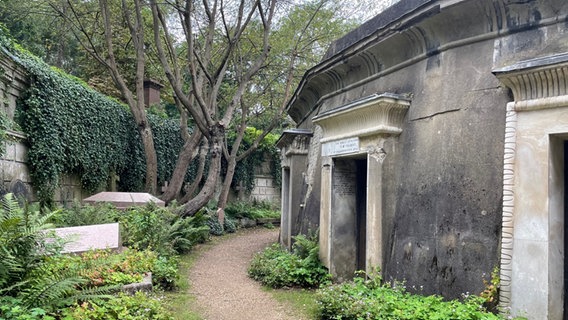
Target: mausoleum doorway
534	264
349	219
351	235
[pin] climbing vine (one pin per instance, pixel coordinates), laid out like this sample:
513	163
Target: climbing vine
73	129
246	169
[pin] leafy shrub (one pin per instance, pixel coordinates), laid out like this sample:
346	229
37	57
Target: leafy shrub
215	227
22	243
11	309
161	230
139	306
254	210
276	267
369	299
165	273
229	225
83	215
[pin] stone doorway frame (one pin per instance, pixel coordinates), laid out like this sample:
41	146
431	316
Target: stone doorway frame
532	252
293	145
358	129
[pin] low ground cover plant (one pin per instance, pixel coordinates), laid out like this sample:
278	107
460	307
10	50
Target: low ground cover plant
277	267
104	267
370	298
139	306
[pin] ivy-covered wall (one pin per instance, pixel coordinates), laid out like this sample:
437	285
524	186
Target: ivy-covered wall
79	141
74	131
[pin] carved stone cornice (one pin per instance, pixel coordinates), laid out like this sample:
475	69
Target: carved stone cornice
540	83
411	31
536	84
293	142
372	115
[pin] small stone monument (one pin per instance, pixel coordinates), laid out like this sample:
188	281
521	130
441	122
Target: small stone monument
123	200
85	238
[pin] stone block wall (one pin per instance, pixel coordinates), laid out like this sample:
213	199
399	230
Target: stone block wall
265	190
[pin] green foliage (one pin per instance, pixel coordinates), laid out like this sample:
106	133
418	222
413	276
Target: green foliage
254	210
215	228
266	151
139	306
72	129
25	276
83	215
276	267
22	242
11	309
161	230
229	225
4	125
370	299
103	267
165	272
491	292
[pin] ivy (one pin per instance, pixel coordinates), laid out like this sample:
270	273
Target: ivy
246	169
74	130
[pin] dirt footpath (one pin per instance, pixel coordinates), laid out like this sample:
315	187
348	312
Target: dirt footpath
220	283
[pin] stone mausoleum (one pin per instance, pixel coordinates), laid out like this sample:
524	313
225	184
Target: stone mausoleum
431	142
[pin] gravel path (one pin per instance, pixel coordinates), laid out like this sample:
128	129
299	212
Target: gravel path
221	286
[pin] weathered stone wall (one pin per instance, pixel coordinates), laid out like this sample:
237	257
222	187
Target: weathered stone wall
265	190
442	176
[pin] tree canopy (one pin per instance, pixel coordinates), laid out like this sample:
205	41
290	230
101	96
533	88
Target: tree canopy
227	65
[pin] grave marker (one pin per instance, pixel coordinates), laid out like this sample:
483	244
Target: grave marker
85	238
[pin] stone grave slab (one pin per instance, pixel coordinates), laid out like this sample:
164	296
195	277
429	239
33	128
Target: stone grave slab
84	238
123	200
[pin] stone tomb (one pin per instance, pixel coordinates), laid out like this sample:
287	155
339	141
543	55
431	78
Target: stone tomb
351	195
123	200
84	238
534	272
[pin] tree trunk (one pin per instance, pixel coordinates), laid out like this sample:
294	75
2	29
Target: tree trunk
224	196
151	158
208	190
187	153
198	177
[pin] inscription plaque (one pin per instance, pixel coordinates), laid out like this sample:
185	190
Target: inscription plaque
340	147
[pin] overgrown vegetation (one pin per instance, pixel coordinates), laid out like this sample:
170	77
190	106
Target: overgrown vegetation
252	210
370	298
139	306
367	296
28	289
277	267
72	129
37	282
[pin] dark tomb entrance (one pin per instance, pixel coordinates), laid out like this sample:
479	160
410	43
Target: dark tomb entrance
349	216
361	198
565	293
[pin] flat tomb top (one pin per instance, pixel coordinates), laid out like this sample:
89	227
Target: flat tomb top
124	199
85	238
